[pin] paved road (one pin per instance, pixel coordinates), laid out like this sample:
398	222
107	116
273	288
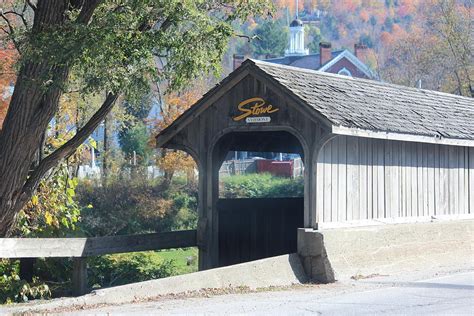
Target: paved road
448	295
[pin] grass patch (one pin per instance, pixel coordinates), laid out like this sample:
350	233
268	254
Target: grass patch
180	259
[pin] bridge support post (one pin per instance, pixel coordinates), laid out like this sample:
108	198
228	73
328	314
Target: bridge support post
314	258
79	276
27	268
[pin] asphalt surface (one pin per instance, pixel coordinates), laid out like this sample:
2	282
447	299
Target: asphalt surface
448	295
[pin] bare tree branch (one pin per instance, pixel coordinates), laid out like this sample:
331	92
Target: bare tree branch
20	15
87	11
11	33
4	30
249	38
160	55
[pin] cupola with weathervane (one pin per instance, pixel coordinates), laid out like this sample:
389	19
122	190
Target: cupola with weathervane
296	45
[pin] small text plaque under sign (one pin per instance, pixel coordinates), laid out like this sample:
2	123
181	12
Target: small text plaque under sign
260	119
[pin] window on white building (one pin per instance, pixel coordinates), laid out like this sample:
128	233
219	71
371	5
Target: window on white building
345	72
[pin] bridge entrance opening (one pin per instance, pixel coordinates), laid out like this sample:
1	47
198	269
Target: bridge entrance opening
261	195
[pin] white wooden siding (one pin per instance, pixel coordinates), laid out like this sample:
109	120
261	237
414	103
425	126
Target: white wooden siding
362	179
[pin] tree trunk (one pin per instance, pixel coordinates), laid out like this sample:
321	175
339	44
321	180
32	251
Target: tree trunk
105	151
33	104
30	111
168	174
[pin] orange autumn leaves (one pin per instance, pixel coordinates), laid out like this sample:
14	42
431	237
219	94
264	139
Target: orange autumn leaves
175	105
383	21
8	57
7	78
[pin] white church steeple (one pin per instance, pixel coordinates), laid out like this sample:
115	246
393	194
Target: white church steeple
296	46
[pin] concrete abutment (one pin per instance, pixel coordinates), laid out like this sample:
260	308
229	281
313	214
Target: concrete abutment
340	253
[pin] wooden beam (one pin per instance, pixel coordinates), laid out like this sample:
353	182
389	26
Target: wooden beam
94	246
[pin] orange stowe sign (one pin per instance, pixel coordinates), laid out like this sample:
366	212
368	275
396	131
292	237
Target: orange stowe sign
254	107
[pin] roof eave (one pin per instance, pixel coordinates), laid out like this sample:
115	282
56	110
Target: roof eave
350	131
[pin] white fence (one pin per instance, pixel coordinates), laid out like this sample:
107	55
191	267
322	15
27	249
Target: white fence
88	172
233	167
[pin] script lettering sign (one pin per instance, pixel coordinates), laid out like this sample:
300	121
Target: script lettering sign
255	110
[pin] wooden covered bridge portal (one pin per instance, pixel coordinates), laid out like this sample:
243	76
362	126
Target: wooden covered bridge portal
373	153
370	151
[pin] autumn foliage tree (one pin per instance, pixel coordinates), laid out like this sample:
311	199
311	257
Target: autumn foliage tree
436	54
170	161
451	22
411	41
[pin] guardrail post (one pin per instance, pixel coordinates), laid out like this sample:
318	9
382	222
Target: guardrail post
79	276
26	268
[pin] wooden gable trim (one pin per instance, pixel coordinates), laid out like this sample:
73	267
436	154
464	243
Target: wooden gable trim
249	67
200	106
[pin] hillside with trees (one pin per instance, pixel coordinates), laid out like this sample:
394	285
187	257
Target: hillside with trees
410	41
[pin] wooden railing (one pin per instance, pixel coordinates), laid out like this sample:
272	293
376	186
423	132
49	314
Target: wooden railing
81	248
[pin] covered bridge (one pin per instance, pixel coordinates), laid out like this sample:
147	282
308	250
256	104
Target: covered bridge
372	152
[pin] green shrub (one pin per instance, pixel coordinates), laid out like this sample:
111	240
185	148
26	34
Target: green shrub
52	276
13	289
123	208
52	210
258	185
112	270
